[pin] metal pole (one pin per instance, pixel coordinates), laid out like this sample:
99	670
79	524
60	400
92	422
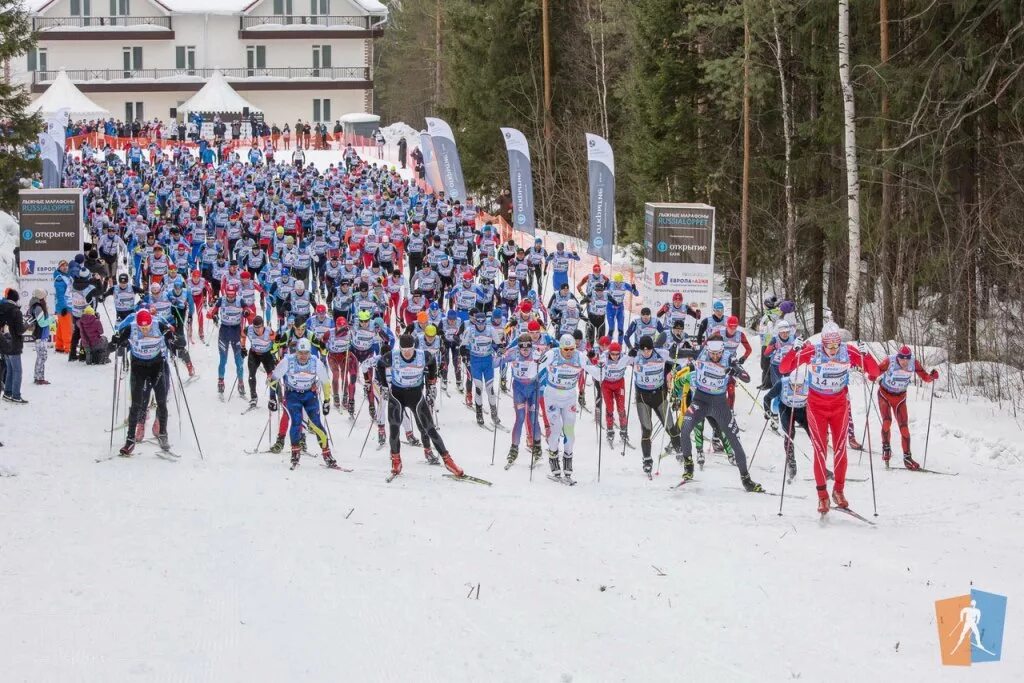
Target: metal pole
928	434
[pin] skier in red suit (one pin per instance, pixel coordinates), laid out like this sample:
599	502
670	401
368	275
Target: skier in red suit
829	362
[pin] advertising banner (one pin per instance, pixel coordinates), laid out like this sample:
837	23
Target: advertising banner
679	253
601	174
51	230
520	180
433	176
446	156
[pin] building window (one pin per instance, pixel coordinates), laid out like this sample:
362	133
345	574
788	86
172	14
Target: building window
82	8
256	58
321	110
133	112
132	57
119	8
283	8
37	59
319	7
185	58
321	58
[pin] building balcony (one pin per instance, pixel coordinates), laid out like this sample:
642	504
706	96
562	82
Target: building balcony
309	26
188	80
103	28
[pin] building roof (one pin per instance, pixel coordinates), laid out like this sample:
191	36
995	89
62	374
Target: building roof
215	6
217	96
61	94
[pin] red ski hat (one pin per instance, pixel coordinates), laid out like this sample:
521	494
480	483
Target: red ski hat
526	306
615	347
904	352
678	296
533	326
143	318
605	341
597	268
733	321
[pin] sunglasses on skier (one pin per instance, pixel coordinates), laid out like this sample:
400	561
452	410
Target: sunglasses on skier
526	345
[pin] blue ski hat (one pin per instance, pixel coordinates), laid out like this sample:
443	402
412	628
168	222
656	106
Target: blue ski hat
718	306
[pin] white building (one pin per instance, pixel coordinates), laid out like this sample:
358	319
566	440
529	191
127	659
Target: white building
140	59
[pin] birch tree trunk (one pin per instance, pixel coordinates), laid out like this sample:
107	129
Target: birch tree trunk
789	275
852	172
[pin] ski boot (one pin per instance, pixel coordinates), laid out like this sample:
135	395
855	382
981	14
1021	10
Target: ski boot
373	410
430	457
513	453
610	435
278	445
886	455
839	498
700	458
909	462
380	435
648	466
567	469
583	400
337	402
252	400
853	444
556	468
444	385
302	443
411	438
480	415
450	465
687	468
329	459
535	453
504	385
191	369
220	388
127	448
494	415
717	446
823	505
296	454
396	464
351	408
731	458
750	485
791	467
624	435
162	441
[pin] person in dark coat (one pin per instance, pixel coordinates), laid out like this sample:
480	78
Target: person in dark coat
403	147
93	341
12	342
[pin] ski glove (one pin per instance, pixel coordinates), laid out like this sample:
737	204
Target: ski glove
935	375
327	406
632	353
272	404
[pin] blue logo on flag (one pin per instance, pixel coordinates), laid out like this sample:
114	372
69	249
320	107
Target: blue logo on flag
27	235
662	247
598	241
522	219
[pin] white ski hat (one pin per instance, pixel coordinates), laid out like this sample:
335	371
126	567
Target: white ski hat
567	341
303	346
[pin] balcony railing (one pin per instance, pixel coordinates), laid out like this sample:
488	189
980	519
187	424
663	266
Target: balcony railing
100	23
357	73
297	22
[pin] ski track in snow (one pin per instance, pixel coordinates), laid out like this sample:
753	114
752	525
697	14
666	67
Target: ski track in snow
235	568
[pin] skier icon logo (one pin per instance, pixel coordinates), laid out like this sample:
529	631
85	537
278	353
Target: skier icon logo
971	628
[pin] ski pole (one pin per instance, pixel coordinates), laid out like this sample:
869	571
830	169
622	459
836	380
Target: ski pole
358	413
265	428
188	409
782	495
928	434
754	455
175	387
367	438
600	445
871	458
494	437
114	408
625	427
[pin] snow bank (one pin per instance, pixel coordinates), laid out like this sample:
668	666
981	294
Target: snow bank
394	132
8	241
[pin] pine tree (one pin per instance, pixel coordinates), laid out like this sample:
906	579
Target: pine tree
18	128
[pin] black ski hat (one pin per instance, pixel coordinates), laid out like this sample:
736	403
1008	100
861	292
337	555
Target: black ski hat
646	342
407	341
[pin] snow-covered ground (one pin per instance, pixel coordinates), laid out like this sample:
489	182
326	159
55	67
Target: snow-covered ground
232	567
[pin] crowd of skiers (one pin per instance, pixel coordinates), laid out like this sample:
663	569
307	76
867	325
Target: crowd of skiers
328	280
